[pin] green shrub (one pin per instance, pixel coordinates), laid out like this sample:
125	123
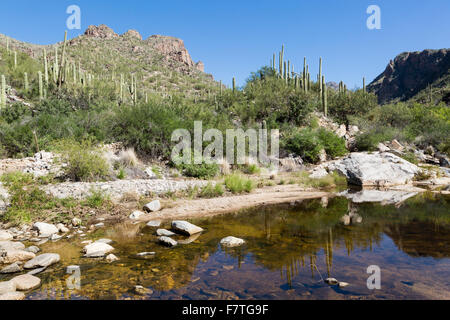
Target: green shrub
201	171
237	184
210	191
96	199
333	145
84	161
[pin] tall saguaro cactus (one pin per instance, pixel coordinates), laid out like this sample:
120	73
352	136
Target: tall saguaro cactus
45	67
234	85
364	84
26	85
60	73
41	87
320	76
15	59
324	97
3	92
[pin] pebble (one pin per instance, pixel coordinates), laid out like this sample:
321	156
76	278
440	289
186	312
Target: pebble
343	284
142	291
154	223
143	254
76	222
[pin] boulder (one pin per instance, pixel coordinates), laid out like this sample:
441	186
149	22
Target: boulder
62	228
169	242
11	245
26	282
231	242
45	229
154	224
12	268
43	260
7	286
11	256
5	235
153	206
385	197
164	232
97	249
12	296
375	169
33	249
318	173
136	215
382	148
185	227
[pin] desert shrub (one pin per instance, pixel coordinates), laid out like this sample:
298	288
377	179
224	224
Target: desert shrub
96	199
128	158
211	191
307	143
203	170
237	184
84	162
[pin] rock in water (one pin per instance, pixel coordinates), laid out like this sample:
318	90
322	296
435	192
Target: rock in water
343	284
185	227
5	235
43	260
169	242
153	206
142	291
7	286
12	296
231	242
375	169
12	256
33	249
12	268
11	245
107	241
97	249
164	232
26	282
111	258
331	281
45	229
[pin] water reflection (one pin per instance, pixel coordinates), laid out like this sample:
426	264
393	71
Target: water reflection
305	240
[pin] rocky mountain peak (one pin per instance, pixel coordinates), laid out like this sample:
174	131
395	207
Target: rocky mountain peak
132	34
102	31
409	73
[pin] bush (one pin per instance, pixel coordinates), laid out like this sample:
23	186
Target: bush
237	184
84	161
201	171
210	191
96	199
308	143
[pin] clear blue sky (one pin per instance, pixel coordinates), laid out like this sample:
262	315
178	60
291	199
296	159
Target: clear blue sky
234	38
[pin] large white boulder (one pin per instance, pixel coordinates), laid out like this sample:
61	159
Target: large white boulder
44	260
45	229
97	249
375	169
231	242
153	206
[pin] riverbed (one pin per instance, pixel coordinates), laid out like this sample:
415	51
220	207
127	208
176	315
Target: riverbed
290	250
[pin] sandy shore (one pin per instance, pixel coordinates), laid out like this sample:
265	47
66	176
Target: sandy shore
208	207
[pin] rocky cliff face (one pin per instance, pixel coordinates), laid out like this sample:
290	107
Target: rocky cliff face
172	49
409	73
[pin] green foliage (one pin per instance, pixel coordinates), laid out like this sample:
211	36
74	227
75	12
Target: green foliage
307	143
212	191
84	161
201	171
237	184
96	199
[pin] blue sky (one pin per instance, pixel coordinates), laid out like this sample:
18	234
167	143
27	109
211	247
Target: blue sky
234	38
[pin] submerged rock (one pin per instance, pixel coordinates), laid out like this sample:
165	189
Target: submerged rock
43	260
343	284
231	242
185	227
142	291
169	242
331	281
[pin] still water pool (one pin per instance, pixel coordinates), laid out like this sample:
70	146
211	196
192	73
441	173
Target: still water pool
289	250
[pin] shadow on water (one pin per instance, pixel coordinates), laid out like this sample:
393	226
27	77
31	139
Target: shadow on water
289	250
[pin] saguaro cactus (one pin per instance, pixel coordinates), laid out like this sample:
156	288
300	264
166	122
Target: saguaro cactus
3	92
7	45
41	87
60	71
364	84
234	85
15	59
45	67
26	85
324	97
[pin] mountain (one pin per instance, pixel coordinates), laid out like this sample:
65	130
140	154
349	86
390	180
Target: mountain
413	75
160	63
